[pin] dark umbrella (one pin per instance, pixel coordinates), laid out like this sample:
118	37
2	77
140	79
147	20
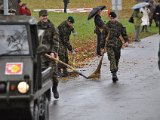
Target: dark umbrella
143	0
94	11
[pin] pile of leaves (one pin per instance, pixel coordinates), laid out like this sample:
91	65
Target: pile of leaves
83	54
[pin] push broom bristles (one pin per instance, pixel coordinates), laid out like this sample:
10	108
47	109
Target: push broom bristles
96	73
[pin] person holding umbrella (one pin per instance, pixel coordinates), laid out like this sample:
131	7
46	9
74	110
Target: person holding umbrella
112	36
137	16
99	25
145	19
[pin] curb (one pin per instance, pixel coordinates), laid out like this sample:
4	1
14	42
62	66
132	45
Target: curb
72	10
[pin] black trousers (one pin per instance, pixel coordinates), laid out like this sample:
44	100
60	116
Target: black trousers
65	7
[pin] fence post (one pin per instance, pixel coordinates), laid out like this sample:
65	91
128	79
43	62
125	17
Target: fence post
5	4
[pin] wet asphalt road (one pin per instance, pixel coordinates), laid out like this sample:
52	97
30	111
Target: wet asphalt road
136	96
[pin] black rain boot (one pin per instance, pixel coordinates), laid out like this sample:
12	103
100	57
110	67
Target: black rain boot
114	77
55	91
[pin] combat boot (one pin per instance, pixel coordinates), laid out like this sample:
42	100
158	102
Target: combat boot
114	77
55	92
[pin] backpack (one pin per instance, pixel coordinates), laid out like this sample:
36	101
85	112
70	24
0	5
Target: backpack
131	19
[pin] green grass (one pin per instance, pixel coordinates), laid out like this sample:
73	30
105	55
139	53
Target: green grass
40	4
84	27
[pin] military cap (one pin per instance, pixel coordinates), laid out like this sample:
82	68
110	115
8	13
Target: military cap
12	11
43	12
112	15
71	19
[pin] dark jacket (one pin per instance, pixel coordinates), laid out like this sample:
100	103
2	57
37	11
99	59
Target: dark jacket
157	10
99	24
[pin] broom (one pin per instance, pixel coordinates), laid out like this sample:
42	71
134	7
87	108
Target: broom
72	68
96	73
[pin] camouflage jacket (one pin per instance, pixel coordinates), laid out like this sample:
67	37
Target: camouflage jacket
116	30
51	36
64	34
137	16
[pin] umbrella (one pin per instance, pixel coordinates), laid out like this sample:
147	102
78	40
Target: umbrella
140	5
143	0
94	11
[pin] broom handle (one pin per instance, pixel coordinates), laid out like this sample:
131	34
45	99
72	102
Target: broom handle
72	68
52	58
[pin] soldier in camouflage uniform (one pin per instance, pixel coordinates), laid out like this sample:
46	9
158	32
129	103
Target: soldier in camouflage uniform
113	44
65	29
51	40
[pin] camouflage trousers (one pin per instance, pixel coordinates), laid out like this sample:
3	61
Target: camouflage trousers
63	58
113	56
48	63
